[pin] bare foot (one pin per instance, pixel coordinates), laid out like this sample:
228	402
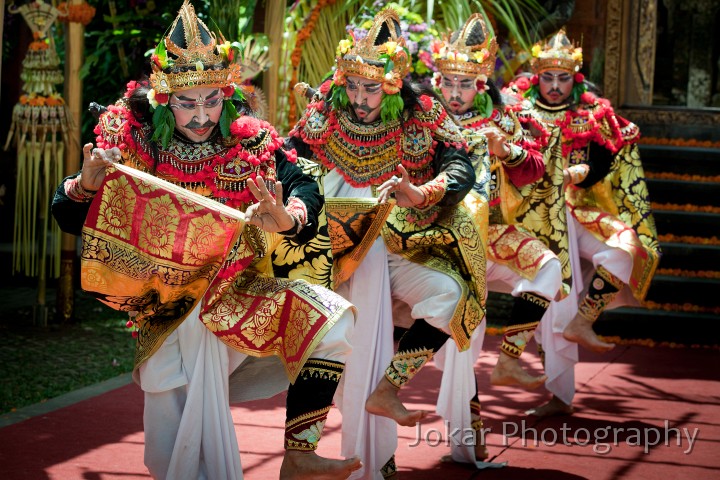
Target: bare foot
580	331
554	407
299	465
508	371
481	452
384	401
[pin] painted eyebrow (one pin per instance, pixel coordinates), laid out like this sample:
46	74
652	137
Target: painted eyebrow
366	85
188	99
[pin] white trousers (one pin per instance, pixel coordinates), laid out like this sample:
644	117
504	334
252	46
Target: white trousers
458	380
586	254
381	280
189	430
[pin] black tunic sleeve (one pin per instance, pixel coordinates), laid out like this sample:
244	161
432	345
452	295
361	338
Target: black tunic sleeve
304	187
69	214
600	160
456	164
302	149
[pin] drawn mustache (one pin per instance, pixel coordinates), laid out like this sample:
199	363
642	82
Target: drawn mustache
362	107
193	125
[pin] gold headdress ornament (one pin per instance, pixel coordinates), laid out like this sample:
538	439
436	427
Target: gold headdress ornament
471	51
558	53
387	62
192	47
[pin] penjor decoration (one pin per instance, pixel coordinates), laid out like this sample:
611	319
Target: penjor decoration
39	130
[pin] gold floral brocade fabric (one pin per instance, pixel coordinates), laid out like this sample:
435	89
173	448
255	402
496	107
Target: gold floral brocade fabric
455	243
154	248
617	212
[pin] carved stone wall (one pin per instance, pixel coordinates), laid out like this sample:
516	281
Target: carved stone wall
630	47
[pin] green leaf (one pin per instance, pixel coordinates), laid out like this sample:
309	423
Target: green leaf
164	124
228	115
483	104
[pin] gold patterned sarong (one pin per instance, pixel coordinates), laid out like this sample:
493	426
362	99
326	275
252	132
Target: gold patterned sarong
540	208
455	243
617	212
155	248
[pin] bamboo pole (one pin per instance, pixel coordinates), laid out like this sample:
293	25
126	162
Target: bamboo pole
73	98
274	28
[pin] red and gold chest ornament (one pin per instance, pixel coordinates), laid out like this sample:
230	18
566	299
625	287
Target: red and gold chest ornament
218	168
380	56
471	51
368	154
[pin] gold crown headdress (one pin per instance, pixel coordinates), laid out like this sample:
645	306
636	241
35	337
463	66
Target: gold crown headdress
470	51
192	47
368	58
558	53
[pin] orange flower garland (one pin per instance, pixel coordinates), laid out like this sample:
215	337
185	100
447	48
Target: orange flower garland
38	43
76	12
679	142
646	342
676	307
34	100
685	208
302	36
682	176
679	272
670	238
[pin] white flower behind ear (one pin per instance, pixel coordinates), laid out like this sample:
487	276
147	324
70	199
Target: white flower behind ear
151	98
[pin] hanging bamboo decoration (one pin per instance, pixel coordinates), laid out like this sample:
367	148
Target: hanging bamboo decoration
39	129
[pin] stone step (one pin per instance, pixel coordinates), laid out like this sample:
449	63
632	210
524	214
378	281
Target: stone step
695	224
682	160
690	256
662	326
669	289
684	192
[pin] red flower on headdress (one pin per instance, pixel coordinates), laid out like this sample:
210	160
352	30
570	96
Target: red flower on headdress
131	86
156	60
579	77
228	91
534	80
162	98
339	78
522	83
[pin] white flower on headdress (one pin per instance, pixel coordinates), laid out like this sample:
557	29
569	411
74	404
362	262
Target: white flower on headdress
389	77
437	79
151	98
199	66
462	57
481	83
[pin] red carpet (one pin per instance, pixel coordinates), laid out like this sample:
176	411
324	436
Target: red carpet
627	400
